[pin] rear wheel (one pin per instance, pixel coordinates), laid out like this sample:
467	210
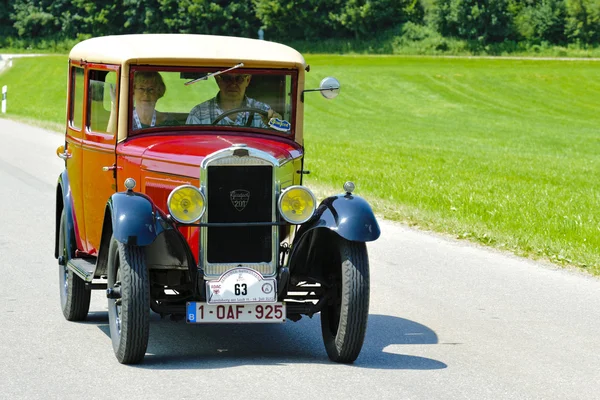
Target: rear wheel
344	317
74	297
129	315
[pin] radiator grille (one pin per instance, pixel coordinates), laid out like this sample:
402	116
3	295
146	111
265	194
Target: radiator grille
239	194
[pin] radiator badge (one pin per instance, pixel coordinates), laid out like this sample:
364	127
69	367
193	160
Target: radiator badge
239	198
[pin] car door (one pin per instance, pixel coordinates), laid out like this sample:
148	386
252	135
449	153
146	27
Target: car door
73	154
99	144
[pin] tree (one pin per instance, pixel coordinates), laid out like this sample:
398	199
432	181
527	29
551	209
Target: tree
217	17
542	20
6	28
299	19
583	21
363	18
482	20
32	20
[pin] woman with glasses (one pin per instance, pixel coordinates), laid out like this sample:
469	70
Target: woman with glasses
220	110
148	87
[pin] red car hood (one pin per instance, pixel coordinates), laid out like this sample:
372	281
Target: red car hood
183	154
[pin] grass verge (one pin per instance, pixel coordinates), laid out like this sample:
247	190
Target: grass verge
496	151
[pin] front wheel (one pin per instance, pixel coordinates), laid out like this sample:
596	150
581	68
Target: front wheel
344	317
129	307
74	296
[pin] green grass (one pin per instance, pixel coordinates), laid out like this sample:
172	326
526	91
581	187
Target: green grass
501	152
37	88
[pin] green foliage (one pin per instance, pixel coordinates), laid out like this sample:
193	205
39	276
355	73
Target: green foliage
6	28
362	18
286	20
32	21
583	20
471	25
485	21
207	17
325	19
542	21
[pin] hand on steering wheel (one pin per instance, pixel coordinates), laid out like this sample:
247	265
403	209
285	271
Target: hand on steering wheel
252	111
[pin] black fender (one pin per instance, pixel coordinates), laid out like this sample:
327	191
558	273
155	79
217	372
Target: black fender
64	202
133	219
351	217
345	215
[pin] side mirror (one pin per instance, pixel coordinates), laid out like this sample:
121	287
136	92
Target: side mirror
329	88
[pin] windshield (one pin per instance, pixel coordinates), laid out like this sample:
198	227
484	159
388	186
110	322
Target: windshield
244	98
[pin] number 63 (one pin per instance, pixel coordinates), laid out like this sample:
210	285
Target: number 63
241	289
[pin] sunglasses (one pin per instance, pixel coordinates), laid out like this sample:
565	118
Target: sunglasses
232	78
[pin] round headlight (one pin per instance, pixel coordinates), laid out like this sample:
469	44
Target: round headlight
297	204
186	204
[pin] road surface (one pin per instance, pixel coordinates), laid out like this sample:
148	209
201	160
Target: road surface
449	320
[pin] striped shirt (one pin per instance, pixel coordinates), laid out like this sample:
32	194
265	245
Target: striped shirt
207	112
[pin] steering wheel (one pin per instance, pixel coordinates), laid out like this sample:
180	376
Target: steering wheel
252	110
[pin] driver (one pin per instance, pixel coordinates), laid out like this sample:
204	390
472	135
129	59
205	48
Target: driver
232	95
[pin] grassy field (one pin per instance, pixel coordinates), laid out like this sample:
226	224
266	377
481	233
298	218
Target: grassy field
501	152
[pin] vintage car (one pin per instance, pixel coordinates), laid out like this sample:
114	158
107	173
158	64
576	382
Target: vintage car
182	193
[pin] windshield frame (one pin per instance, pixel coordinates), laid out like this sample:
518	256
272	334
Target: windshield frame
236	129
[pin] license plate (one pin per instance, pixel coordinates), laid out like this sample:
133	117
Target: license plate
241	285
198	313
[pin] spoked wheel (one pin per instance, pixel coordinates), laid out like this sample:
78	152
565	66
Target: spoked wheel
74	297
129	307
344	318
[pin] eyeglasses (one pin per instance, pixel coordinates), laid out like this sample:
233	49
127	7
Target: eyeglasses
232	78
148	90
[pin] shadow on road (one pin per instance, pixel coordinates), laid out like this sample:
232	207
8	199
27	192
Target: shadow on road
177	345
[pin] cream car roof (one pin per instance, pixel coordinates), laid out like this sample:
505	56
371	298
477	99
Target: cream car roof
186	50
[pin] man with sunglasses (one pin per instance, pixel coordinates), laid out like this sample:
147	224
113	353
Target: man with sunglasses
232	96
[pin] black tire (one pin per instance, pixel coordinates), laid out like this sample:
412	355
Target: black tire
344	318
74	297
129	316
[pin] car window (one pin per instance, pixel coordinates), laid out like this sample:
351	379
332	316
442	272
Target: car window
100	84
76	106
187	98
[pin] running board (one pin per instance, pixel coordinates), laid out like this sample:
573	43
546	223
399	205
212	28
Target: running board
82	268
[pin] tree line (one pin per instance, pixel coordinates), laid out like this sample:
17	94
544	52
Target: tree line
485	21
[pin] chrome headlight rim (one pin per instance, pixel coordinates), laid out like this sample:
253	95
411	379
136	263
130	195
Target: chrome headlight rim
185	187
282	196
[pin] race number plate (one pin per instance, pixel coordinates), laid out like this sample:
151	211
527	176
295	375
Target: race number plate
241	285
198	313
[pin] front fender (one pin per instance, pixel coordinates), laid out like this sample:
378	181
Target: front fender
346	216
134	219
351	217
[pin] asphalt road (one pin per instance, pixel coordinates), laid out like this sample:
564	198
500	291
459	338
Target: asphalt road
449	320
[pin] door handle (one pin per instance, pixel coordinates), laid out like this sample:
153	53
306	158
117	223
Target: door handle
111	168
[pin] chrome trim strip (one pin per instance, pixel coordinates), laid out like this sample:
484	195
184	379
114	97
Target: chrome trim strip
81	272
239	154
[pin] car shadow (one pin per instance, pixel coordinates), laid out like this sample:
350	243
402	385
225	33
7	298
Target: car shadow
177	345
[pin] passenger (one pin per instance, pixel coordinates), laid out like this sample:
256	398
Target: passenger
148	87
232	95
